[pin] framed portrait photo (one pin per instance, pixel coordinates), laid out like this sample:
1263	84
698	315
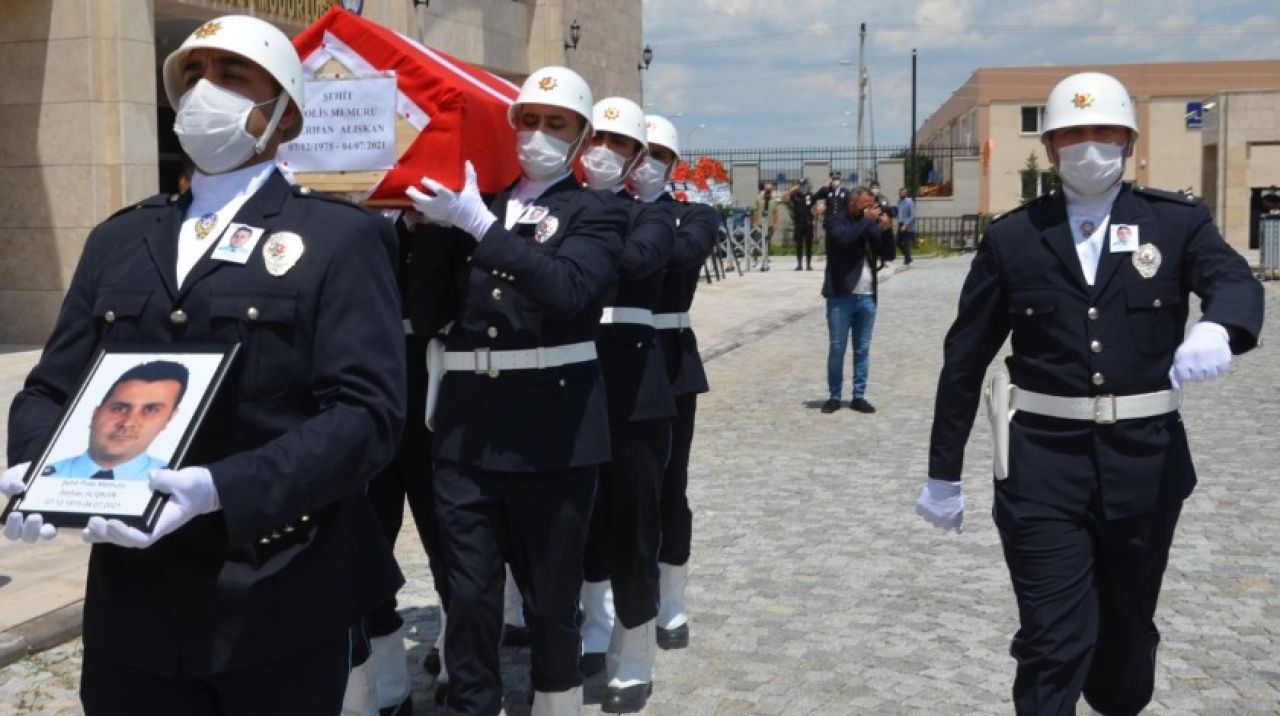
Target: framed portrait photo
137	409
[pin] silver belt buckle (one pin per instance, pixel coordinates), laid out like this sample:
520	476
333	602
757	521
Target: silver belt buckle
1099	409
484	363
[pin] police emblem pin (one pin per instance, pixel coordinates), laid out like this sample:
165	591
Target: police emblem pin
281	252
1147	260
209	29
546	229
611	113
546	84
1082	100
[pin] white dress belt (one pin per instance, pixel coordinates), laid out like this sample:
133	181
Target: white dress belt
670	321
1101	409
627	314
483	360
490	362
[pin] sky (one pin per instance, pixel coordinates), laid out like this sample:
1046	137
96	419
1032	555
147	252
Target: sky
765	73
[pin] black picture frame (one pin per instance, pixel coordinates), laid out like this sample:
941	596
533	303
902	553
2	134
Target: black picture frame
213	362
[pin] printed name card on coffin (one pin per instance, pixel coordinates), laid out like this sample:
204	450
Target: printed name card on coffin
446	112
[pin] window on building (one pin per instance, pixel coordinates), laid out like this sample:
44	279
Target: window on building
1032	119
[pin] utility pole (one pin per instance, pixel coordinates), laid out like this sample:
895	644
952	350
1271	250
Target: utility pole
913	180
862	98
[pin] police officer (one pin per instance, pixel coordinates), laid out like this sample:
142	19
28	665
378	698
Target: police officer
833	196
622	546
801	200
696	229
1093	470
521	422
216	610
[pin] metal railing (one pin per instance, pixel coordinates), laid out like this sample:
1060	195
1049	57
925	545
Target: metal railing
932	163
954	232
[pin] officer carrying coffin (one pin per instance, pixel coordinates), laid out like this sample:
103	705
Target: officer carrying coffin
622	546
1093	468
520	419
696	229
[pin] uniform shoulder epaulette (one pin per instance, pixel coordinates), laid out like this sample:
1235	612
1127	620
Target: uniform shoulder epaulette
307	192
1018	209
1175	196
151	202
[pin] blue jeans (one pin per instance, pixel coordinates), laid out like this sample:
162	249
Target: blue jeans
854	314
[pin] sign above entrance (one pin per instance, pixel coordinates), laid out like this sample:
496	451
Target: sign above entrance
349	125
301	11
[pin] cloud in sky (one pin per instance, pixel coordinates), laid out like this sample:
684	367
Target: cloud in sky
762	74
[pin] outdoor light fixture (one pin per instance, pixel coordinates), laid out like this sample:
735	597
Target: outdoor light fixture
646	57
575	34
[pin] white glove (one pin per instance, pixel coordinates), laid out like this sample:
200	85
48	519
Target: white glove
941	503
191	494
29	528
1205	353
463	209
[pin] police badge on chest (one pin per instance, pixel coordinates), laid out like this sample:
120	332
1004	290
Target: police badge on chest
546	229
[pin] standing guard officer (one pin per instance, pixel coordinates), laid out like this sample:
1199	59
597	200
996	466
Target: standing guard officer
622	545
1093	470
216	610
696	229
521	423
801	200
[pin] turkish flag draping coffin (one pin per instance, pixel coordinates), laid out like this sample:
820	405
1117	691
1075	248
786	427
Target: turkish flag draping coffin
447	111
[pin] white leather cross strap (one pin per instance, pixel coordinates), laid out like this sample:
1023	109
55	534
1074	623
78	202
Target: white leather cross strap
1100	409
670	321
483	360
627	314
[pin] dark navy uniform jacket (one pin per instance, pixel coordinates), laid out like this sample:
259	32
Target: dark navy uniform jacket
697	226
517	292
1116	337
850	243
311	409
635	371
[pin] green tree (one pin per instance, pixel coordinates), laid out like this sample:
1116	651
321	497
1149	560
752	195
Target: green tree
1035	181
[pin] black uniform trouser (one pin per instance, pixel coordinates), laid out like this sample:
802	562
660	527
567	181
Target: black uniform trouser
309	683
804	244
536	522
1087	590
626	525
905	239
409	475
677	518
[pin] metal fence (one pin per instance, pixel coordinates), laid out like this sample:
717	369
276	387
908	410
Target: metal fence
857	164
955	232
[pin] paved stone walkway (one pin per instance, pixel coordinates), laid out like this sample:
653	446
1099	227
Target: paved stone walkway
816	589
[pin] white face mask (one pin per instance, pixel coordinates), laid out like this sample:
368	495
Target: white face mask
1090	168
541	155
211	127
648	180
603	167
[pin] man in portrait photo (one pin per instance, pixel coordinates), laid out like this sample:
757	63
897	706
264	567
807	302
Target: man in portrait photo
136	409
239	242
1124	240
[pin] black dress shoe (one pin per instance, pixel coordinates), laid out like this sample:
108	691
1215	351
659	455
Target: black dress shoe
516	635
432	662
798	268
626	701
677	638
862	406
831	406
591	663
404	709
